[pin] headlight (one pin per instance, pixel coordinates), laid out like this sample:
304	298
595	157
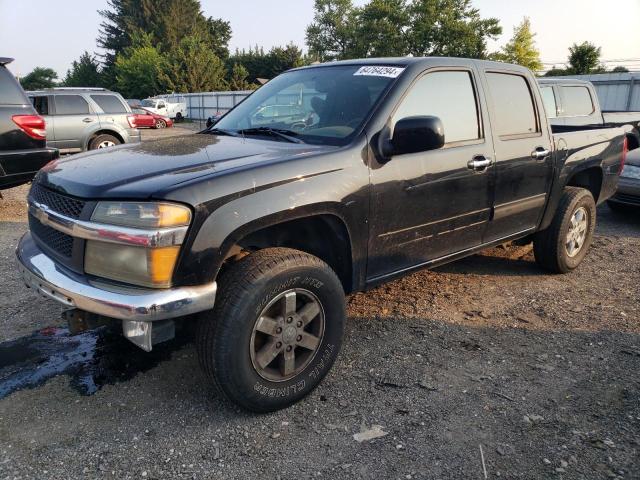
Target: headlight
631	171
142	215
144	266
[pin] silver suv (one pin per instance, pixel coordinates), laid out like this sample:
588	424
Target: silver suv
80	119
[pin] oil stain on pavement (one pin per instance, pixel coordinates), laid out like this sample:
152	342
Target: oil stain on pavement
91	359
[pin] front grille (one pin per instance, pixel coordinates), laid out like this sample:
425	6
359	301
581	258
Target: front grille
67	206
626	198
59	242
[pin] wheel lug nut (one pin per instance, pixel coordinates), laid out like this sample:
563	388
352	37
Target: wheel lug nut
278	345
299	337
279	330
289	319
289	348
299	324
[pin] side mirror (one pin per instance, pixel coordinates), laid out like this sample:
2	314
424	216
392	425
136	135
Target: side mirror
415	134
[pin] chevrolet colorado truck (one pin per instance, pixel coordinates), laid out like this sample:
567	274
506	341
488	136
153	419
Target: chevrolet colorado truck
257	231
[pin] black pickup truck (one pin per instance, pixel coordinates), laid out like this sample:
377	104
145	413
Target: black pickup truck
395	165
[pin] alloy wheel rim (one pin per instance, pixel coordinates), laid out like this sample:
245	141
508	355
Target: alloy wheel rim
287	335
106	144
577	233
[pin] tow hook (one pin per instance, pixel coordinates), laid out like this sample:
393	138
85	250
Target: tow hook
80	321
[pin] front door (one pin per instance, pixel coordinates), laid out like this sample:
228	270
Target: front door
73	121
432	204
523	153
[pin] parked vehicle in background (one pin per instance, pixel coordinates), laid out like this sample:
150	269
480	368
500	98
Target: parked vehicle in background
176	111
627	197
80	119
23	134
572	104
146	119
404	164
133	102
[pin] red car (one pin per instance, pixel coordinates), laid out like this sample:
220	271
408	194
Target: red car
145	118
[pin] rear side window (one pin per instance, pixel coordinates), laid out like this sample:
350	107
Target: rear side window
549	100
449	96
109	103
576	102
512	105
10	91
71	105
41	104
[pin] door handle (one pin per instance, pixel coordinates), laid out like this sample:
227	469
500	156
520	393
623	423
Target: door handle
479	163
540	153
87	120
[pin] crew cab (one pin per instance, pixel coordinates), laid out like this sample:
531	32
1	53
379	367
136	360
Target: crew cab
573	104
397	164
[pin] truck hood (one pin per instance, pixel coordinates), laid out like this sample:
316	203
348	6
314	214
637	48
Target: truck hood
146	169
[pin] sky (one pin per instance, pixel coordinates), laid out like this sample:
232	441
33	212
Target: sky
53	33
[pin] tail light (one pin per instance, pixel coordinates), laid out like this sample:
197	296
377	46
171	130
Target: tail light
132	121
625	150
32	125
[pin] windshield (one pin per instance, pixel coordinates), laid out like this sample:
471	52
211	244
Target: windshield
323	105
148	103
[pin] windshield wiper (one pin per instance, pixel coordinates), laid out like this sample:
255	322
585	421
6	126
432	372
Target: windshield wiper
220	131
288	135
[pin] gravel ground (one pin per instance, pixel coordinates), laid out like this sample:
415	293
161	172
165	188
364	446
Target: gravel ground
484	368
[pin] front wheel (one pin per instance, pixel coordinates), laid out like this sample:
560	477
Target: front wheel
563	245
160	123
276	328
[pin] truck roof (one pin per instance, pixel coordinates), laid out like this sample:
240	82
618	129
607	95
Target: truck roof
561	81
69	89
410	61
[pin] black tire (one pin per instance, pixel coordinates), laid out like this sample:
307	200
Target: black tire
103	139
550	245
225	335
160	124
178	117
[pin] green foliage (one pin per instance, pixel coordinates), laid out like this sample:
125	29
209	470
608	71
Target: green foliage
620	69
556	72
399	27
267	65
521	49
138	70
85	72
193	67
584	59
39	78
238	80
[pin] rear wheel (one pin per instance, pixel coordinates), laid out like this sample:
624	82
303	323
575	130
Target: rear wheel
103	141
276	328
564	244
178	117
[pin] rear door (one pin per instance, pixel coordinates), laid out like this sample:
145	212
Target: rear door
428	205
523	153
74	119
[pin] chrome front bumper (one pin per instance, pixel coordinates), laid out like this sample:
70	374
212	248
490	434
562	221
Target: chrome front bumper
125	303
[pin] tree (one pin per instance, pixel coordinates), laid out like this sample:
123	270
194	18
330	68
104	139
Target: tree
620	69
39	78
193	67
450	28
521	49
399	27
556	72
267	65
85	72
138	70
584	59
238	80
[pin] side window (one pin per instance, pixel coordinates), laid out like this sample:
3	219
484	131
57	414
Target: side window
71	105
109	103
549	100
161	105
449	96
512	105
41	104
576	102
